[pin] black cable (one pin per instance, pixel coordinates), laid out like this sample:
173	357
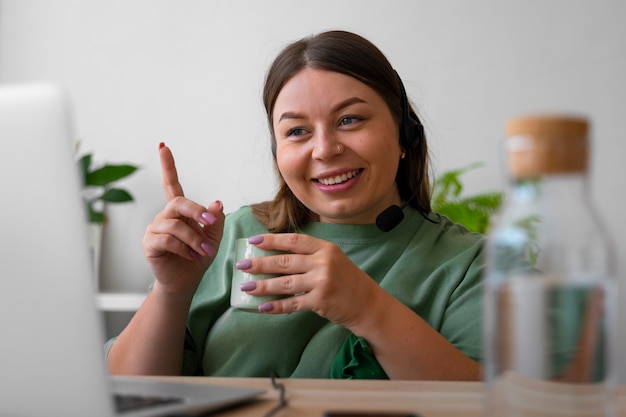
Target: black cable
282	400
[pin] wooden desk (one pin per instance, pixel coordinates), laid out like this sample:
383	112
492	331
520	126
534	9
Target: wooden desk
311	397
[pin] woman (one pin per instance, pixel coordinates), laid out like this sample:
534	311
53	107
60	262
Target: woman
402	304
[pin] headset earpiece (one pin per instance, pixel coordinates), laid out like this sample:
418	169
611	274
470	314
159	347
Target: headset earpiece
411	129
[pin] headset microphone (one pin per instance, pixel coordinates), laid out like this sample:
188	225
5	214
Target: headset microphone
411	137
393	215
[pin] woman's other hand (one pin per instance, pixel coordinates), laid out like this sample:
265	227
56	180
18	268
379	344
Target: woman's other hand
323	278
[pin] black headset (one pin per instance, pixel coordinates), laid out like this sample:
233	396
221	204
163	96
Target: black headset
411	137
411	129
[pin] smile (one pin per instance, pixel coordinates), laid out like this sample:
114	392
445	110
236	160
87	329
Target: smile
338	179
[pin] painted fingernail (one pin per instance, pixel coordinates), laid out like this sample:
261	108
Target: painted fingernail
219	203
161	145
194	255
248	286
244	264
208	249
255	240
266	307
208	218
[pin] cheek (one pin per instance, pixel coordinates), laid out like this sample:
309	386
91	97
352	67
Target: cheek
385	149
387	157
289	165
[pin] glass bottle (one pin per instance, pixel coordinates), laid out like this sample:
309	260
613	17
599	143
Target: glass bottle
550	289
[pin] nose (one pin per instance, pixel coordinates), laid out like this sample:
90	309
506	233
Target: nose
326	145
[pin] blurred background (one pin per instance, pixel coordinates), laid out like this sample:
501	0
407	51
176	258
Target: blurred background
190	73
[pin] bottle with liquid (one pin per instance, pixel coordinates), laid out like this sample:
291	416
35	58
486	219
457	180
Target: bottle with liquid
550	289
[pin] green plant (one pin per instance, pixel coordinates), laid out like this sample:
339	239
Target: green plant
473	211
99	186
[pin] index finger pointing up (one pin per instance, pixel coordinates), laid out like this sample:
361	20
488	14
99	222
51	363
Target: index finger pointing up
171	186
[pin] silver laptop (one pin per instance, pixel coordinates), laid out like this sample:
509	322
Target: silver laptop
51	335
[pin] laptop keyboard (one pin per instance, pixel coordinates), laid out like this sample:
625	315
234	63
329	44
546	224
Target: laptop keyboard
124	403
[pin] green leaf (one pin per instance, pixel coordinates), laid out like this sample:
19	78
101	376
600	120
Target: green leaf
97	186
487	203
473	212
474	220
95	216
448	186
108	174
84	163
116	195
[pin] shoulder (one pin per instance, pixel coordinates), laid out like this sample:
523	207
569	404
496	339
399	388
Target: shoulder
440	231
448	229
442	241
243	213
242	223
242	217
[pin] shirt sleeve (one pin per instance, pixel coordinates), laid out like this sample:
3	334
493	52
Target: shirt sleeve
463	317
192	365
356	360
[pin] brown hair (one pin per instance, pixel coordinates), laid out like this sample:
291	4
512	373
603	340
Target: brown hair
355	56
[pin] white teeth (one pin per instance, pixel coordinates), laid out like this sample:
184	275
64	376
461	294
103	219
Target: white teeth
339	178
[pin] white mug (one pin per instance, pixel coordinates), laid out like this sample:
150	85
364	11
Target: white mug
240	299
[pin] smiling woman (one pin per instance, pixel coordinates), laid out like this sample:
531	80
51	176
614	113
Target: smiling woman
364	67
401	302
329	110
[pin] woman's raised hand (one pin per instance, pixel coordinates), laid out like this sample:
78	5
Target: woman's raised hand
182	240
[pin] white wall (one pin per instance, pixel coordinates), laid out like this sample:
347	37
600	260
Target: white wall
190	73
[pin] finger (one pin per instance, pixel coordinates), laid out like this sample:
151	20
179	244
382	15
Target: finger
178	237
292	242
183	208
163	244
287	305
284	285
171	186
286	263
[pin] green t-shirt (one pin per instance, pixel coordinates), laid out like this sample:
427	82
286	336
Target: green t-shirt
434	268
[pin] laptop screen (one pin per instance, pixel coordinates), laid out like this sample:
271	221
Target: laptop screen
52	357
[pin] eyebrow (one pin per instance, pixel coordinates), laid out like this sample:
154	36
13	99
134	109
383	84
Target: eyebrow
338	107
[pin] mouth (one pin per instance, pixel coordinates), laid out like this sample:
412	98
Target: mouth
338	179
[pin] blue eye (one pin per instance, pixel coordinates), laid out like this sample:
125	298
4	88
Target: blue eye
348	120
298	131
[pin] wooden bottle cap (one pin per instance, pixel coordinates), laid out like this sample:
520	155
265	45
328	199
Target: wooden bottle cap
546	144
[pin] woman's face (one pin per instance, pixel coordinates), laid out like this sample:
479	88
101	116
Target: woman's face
352	183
